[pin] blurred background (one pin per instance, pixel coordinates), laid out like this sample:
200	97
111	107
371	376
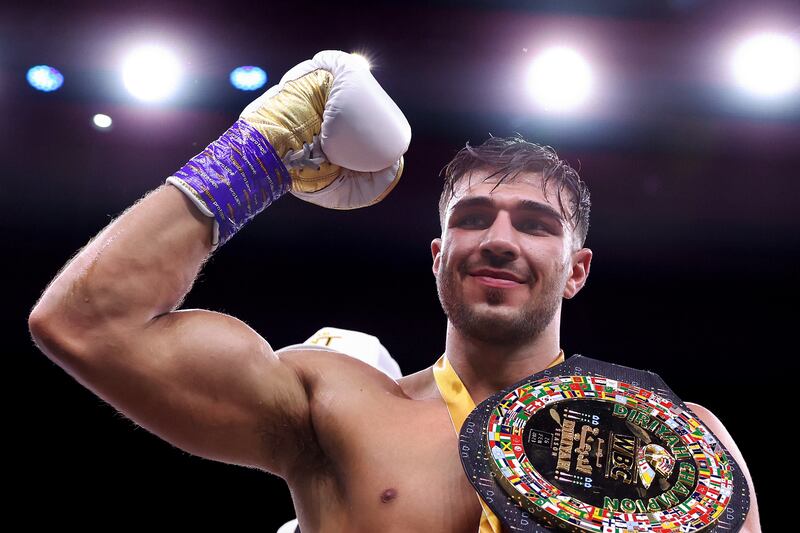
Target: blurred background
683	116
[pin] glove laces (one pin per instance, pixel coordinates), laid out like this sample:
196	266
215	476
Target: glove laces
311	155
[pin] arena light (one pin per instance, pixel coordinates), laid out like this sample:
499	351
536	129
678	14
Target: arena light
248	78
44	78
151	73
102	121
767	65
560	80
362	59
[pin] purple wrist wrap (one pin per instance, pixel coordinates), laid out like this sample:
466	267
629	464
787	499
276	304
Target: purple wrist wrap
237	176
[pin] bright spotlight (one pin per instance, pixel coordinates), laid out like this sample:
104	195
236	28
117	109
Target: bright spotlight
248	78
151	73
362	60
44	78
560	79
767	65
102	121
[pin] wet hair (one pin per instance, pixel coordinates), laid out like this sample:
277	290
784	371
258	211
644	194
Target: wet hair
508	157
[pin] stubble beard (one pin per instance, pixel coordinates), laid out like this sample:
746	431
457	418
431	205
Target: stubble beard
516	329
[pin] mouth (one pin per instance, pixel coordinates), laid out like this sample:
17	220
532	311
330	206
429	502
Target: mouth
497	278
496	282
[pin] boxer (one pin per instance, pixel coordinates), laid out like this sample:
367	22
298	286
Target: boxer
359	450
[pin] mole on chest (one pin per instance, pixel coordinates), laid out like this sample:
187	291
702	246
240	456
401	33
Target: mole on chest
388	495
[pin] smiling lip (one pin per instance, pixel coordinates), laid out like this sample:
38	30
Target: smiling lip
497	278
496	282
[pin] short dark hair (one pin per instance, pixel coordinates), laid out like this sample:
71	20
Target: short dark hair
510	156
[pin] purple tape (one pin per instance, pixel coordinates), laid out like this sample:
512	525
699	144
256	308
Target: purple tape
237	176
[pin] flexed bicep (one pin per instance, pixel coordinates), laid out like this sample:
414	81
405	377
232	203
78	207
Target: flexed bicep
208	384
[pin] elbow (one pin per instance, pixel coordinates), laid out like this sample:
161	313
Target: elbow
38	328
58	343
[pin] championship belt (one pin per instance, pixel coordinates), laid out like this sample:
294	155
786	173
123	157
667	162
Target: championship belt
592	446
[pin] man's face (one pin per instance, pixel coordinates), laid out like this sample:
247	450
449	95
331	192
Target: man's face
505	260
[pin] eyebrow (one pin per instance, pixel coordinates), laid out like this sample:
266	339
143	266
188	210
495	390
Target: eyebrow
523	205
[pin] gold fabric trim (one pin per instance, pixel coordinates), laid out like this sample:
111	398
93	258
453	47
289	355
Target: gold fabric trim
291	118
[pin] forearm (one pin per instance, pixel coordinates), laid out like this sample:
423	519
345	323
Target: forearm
140	266
143	264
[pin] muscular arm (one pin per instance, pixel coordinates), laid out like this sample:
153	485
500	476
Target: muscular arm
203	381
139	267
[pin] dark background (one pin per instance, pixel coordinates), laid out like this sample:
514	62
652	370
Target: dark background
694	221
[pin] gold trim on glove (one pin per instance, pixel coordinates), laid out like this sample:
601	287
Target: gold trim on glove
291	118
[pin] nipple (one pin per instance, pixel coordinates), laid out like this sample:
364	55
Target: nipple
388	495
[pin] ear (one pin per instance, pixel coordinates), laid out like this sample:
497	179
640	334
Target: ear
436	249
581	262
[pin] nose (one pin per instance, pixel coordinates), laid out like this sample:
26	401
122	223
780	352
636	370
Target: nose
499	240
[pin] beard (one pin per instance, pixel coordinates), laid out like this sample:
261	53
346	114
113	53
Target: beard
524	325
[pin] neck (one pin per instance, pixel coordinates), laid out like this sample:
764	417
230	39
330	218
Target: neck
486	368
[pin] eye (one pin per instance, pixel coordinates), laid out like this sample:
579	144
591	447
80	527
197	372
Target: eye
472	221
534	226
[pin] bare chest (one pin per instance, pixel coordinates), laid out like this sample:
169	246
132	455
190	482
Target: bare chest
394	466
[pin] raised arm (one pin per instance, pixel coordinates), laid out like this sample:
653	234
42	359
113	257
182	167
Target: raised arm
205	381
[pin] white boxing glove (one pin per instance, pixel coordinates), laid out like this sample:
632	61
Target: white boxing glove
327	132
351	153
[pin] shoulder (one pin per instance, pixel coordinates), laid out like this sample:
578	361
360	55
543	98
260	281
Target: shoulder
710	420
752	524
322	368
718	429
